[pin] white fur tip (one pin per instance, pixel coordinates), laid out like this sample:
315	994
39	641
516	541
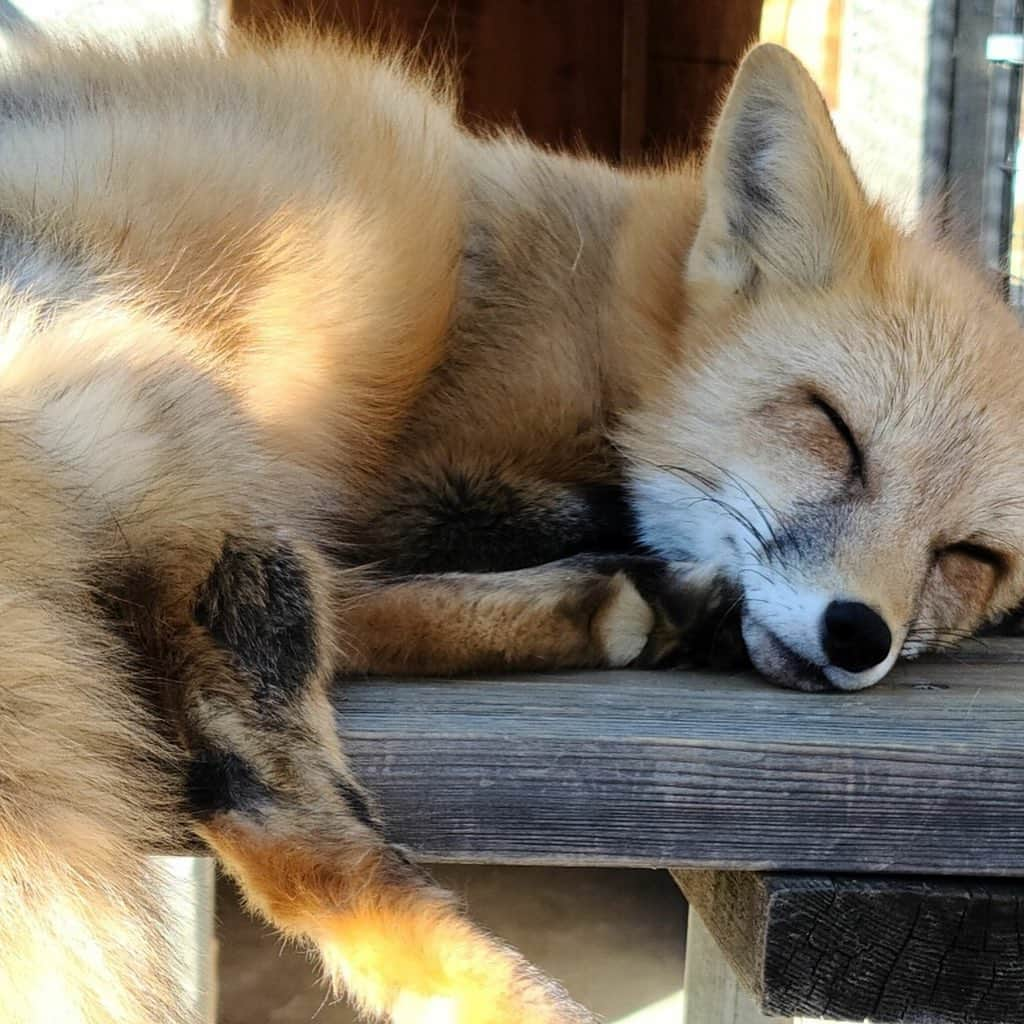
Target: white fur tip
623	626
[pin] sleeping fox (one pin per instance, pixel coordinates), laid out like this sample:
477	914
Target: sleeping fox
300	379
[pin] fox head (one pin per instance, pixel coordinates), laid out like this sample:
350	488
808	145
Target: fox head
840	436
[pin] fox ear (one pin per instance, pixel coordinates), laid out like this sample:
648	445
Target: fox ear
781	198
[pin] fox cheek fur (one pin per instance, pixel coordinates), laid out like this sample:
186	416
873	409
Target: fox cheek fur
836	438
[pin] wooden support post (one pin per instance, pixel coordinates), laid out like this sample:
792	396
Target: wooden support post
895	950
190	884
712	992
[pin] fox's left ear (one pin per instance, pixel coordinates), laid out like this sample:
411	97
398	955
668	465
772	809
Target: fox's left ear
782	200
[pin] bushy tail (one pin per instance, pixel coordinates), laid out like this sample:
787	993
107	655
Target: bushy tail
398	946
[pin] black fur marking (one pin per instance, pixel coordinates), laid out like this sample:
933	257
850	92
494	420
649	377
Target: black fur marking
258	605
462	523
1010	624
219	781
756	191
809	535
356	803
613	522
709	621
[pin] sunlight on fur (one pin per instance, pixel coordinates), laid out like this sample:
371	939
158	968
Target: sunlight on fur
300	379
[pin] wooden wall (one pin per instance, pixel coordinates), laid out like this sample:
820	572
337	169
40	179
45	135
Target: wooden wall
621	77
693	49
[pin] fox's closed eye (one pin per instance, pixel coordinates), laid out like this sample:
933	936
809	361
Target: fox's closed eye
976	553
966	572
845	434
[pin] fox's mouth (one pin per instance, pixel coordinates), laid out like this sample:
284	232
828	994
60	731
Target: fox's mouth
779	662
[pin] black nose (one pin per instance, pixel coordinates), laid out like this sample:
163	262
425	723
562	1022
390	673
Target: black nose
855	637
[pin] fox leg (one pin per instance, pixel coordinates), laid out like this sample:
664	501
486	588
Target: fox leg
270	791
588	611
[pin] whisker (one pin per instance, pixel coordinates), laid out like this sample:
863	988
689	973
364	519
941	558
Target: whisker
725	506
706	485
746	487
758	544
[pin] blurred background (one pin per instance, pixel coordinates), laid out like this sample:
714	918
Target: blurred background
925	95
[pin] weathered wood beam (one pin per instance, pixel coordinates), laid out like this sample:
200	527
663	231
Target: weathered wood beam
923	774
891	950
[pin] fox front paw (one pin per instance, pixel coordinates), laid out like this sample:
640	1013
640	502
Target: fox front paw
623	626
657	614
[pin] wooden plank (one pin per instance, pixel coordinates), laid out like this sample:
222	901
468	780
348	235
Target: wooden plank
189	885
712	992
554	70
922	774
717	32
895	950
694	50
633	116
686	96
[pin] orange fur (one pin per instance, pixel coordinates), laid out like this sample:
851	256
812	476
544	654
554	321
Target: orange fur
399	943
298	378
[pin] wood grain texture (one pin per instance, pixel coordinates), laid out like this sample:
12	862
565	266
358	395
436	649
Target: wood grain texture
693	54
894	950
717	32
922	774
684	98
635	45
620	77
552	69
